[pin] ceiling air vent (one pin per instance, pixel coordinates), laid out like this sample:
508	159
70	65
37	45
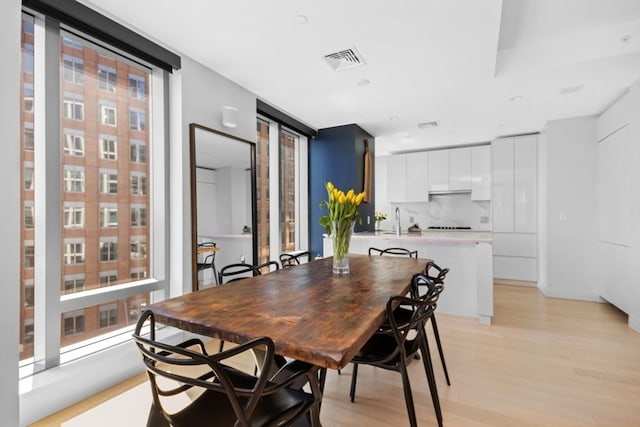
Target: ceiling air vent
428	125
345	59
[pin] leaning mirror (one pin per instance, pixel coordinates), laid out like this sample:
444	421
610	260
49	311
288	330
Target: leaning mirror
222	202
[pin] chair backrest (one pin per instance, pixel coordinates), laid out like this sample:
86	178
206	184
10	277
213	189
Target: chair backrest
435	273
393	251
408	342
237	271
209	259
292	259
267	267
174	363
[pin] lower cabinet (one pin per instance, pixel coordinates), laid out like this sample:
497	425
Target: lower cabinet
514	256
614	282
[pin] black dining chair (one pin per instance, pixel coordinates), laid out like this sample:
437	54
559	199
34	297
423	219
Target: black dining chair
209	260
393	251
267	267
292	259
229	397
394	348
236	271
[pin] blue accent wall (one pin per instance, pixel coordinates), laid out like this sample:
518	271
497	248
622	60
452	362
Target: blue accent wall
337	155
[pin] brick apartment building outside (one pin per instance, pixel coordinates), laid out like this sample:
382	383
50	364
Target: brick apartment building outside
104	151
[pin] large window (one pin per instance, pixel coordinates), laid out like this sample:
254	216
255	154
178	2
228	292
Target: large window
281	194
102	105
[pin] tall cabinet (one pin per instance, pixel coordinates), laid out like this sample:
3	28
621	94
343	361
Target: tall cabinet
514	196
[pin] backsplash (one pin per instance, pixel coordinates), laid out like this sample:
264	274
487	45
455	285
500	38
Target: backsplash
441	210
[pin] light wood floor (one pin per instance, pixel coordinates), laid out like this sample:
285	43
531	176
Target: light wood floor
543	362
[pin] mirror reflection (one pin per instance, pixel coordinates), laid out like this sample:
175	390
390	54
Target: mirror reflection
222	202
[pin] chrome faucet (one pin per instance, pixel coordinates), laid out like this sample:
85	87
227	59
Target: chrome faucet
397	221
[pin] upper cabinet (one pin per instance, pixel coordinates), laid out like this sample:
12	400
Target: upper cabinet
407	177
514	184
481	172
438	170
416	176
397	178
450	170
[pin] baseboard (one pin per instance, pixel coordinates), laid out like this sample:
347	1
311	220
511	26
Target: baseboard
570	294
511	282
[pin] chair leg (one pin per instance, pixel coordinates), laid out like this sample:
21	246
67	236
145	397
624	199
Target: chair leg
408	397
435	332
428	369
221	346
354	377
215	274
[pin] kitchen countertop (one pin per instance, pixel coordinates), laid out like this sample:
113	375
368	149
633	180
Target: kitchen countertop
431	235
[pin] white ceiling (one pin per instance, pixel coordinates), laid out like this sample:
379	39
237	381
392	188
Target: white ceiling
458	62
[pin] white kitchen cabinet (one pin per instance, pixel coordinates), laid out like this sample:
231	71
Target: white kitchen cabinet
514	200
502	185
481	172
615	281
525	184
397	178
614	188
438	170
460	168
417	177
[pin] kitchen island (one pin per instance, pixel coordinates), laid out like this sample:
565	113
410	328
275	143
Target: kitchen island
467	254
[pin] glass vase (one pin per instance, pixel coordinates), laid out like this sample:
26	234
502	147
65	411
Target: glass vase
341	235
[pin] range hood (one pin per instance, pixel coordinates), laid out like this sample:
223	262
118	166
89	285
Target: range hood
439	192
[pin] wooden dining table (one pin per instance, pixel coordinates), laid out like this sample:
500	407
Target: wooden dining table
310	314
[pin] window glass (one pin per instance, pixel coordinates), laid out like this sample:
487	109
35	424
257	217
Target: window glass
262	187
288	143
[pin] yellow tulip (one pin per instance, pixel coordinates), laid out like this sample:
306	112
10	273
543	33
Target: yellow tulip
330	186
350	194
359	198
342	198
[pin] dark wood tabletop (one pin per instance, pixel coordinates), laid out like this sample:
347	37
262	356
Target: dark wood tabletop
311	314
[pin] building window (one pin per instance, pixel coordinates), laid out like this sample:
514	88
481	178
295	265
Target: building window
136	86
29	213
73	322
138	273
107	78
108	181
74	179
138	247
108	215
73	142
28	176
73	215
29	254
108	114
74	251
68	41
138	216
28	98
28	136
73	69
108	278
138	184
73	283
108	249
27	58
108	147
137	119
28	331
138	151
28	293
108	315
73	106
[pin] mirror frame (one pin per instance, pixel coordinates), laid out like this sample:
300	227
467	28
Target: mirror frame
194	202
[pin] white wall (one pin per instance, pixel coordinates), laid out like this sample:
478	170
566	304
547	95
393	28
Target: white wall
569	239
202	94
634	134
10	224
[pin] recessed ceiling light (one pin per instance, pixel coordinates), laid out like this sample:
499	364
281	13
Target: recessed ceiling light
515	98
570	89
301	19
393	118
625	38
363	82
